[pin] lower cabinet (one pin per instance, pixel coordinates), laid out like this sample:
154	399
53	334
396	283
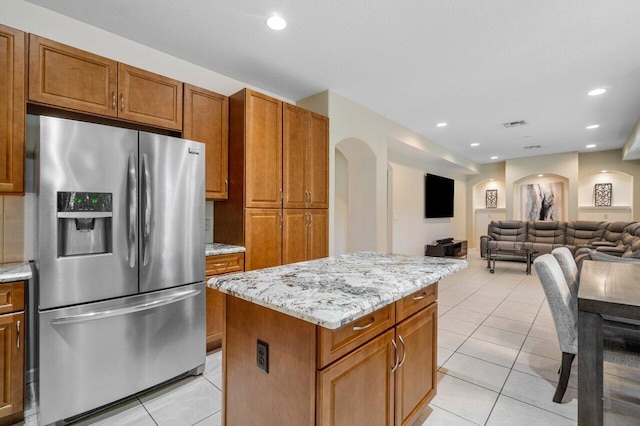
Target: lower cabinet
387	381
359	388
263	238
377	370
222	264
12	341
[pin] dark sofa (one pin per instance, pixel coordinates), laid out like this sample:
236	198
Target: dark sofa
614	238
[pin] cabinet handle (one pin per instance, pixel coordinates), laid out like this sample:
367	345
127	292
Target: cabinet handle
362	327
113	100
121	102
404	351
309	197
308	222
280	216
395	355
422	296
225	264
226	185
281	196
18	334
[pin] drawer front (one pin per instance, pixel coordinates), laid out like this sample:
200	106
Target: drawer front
224	264
335	343
412	303
11	297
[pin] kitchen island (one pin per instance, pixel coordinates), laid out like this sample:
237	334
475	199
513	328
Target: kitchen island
349	339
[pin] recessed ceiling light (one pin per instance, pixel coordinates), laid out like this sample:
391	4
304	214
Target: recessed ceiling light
276	23
475	144
443	124
593	126
596	92
495	157
591	146
603	171
540	175
491	180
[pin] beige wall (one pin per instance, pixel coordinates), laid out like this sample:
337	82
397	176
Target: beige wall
410	230
593	162
351	121
560	165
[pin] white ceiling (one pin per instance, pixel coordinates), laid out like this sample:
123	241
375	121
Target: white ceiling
472	64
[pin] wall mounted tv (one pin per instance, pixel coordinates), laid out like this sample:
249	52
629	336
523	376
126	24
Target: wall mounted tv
438	196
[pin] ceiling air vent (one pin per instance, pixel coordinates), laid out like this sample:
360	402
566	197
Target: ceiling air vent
514	124
533	147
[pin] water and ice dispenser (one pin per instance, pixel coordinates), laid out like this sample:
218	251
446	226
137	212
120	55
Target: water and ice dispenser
84	223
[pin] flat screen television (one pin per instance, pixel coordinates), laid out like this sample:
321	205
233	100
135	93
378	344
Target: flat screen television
438	196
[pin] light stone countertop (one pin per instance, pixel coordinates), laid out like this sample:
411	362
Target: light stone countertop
334	291
219	248
17	271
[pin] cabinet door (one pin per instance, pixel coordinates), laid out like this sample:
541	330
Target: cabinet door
263	151
263	238
71	78
215	317
149	98
416	374
294	141
317	164
12	110
12	363
318	242
206	120
358	389
294	236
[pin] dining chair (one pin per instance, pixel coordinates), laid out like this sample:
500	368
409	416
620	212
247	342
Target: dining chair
621	342
569	268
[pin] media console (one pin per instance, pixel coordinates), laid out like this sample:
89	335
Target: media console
455	248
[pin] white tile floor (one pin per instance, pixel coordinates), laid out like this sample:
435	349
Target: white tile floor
498	356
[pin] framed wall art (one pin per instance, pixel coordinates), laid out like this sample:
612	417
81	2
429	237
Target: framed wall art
491	199
603	193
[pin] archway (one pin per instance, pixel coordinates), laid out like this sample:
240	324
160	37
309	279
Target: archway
355	197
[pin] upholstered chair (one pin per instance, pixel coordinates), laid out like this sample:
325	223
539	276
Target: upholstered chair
621	342
569	268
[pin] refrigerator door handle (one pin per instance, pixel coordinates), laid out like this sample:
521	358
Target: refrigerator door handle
146	188
132	188
90	316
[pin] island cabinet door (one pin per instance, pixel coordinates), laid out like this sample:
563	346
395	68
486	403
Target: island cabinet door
416	373
359	388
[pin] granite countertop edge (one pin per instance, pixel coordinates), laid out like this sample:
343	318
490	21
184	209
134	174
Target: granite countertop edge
15	271
216	249
443	267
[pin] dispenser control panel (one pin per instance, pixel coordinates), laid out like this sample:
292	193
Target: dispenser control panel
71	202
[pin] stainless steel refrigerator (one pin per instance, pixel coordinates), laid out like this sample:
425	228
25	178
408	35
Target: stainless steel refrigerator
120	291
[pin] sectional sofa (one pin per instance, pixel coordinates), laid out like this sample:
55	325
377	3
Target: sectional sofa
614	238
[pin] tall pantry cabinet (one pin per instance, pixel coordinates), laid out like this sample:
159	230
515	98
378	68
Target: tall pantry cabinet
278	182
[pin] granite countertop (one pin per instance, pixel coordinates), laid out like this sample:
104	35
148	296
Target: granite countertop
334	291
219	248
17	271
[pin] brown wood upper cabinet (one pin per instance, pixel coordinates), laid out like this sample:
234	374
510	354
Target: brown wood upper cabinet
263	149
206	119
12	110
71	78
305	158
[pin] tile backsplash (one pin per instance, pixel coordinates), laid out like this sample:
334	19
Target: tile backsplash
17	228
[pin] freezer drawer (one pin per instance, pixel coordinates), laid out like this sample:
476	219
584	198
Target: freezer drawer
94	354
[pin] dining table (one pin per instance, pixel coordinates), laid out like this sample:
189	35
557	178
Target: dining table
611	289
